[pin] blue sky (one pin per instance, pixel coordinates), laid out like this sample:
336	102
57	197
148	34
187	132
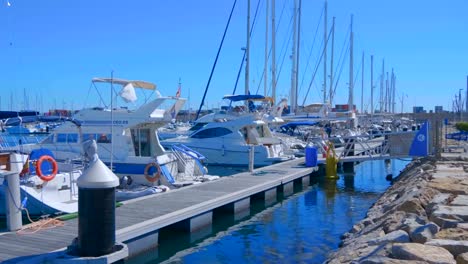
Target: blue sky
51	49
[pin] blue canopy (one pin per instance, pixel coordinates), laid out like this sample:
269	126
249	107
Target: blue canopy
244	97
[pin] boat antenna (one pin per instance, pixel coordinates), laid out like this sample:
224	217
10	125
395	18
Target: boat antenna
112	121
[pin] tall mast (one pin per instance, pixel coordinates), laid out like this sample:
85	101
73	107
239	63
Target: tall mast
382	77
273	52
351	77
372	84
394	91
325	40
265	69
391	108
387	105
247	52
331	62
298	49
293	56
362	84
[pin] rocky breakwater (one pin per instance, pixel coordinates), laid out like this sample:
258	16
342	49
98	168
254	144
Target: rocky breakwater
421	218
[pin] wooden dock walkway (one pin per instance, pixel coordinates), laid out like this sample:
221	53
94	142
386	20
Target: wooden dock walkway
145	216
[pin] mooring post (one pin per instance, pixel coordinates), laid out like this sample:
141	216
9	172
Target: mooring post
96	206
13	201
251	158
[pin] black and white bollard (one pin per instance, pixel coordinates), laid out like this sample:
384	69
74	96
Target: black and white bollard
12	201
96	206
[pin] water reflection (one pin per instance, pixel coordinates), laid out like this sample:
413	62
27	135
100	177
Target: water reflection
302	228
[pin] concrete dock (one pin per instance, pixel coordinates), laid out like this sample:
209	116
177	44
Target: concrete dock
138	222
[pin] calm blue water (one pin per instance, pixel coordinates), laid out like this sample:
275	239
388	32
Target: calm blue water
302	228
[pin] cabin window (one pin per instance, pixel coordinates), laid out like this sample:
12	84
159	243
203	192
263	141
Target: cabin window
212	132
260	131
61	138
72	138
89	137
49	139
141	142
197	126
104	138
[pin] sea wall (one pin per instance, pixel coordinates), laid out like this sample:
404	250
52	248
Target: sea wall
421	218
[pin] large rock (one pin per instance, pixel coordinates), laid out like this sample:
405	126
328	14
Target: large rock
459	200
387	260
424	233
462	258
415	251
459	213
455	247
449	185
457	233
399	236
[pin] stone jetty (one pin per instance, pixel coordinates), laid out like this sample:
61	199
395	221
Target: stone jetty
421	218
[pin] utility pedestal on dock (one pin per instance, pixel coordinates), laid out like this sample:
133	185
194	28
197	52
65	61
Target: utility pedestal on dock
96	207
13	201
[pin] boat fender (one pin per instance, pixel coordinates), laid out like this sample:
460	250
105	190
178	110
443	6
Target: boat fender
39	172
154	176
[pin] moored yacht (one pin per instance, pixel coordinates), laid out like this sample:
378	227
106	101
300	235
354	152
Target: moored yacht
127	139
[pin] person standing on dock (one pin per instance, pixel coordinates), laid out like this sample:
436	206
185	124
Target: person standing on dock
328	129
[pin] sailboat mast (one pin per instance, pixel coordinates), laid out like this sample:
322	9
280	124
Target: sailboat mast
265	69
382	77
331	61
325	40
273	52
247	52
387	105
298	49
351	77
362	84
293	55
372	84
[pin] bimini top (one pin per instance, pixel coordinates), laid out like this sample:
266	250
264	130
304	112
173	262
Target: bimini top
137	84
244	97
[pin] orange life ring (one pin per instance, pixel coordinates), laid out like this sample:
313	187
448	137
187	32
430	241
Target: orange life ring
155	176
54	168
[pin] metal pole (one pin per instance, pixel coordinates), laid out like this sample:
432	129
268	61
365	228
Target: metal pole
362	84
265	69
293	56
247	51
351	77
372	84
273	52
325	40
13	201
331	62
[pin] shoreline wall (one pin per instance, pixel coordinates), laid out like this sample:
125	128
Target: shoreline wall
421	218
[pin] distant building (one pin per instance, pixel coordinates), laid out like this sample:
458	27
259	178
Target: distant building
438	109
418	109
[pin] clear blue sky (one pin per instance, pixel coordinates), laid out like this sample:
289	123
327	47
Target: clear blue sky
51	49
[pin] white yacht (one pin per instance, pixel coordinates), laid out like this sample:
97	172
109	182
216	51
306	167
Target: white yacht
128	141
228	141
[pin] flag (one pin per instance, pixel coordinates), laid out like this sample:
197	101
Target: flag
128	93
178	92
25	169
420	145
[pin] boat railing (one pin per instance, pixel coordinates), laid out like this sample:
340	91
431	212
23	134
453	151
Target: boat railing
184	154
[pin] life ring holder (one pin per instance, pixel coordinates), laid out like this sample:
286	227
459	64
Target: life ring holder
39	172
155	176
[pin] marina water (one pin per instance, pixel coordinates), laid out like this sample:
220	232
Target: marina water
302	228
